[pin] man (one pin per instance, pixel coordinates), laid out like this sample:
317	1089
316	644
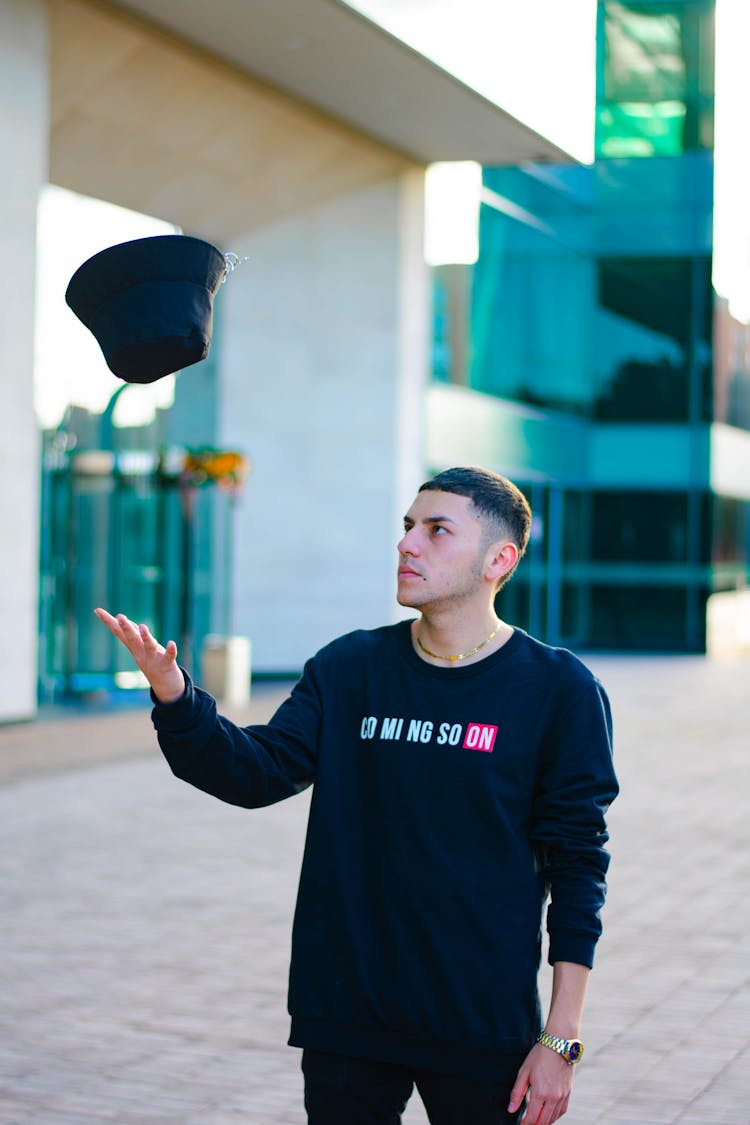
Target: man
461	770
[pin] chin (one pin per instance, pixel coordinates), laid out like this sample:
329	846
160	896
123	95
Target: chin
411	601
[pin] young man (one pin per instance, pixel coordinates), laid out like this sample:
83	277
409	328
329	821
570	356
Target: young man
461	771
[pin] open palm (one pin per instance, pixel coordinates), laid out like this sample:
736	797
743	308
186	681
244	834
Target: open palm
158	664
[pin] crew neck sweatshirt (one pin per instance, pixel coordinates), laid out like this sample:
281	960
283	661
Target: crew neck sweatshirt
447	804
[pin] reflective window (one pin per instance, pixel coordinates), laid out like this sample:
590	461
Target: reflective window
639	617
450	323
592	293
647	332
531	306
731	368
441	330
731	530
655	78
576	530
639	527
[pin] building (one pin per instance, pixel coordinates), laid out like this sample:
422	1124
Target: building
587	355
294	134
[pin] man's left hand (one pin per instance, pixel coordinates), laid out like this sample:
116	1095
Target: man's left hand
549	1079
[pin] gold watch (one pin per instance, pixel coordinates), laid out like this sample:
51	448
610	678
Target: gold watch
570	1049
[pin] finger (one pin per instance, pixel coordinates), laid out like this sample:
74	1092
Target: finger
111	622
554	1111
126	632
557	1109
132	639
534	1111
122	627
518	1092
561	1109
128	627
152	646
149	640
547	1115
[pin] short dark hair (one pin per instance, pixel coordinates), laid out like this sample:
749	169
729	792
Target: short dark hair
501	505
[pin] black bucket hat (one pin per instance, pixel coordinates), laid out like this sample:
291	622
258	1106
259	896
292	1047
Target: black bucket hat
149	303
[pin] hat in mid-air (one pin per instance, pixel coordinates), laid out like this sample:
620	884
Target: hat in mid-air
149	303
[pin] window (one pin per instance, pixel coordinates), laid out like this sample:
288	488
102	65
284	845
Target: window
639	527
640	618
655	78
654	314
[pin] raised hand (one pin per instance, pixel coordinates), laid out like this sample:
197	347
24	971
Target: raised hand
158	664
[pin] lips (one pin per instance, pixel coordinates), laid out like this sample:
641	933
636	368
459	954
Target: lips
407	572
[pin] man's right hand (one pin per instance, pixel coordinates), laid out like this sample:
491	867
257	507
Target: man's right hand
158	664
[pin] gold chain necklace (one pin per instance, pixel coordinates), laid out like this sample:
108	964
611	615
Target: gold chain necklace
460	655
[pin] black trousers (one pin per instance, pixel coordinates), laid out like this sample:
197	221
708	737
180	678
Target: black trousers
345	1091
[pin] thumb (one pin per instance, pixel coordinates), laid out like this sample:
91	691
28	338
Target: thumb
520	1087
171	650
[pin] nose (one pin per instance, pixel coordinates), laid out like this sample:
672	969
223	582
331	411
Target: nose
409	545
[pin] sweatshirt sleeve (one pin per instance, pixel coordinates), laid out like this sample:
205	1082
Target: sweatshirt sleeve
249	766
576	785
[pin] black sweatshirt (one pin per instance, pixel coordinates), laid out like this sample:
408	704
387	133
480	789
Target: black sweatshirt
447	803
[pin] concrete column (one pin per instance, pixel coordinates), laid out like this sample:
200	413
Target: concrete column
323	371
23	144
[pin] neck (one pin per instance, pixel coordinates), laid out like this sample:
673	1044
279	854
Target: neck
446	640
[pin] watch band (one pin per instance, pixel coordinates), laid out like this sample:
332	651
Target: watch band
570	1049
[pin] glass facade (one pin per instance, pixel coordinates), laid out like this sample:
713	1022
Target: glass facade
532	292
597	302
592	303
731	390
115	534
655	78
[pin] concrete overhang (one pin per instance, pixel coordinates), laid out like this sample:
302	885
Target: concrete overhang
330	57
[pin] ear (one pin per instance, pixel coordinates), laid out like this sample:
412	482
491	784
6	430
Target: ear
501	558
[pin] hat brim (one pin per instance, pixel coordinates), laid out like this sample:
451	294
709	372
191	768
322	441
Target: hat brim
149	303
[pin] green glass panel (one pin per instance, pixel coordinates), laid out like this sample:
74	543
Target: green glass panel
532	298
640	618
639	527
592	293
731	530
653	340
655	80
640	129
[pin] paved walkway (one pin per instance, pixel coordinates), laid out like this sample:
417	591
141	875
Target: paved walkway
145	927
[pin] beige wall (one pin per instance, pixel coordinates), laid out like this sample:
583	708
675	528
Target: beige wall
322	381
323	352
23	144
148	122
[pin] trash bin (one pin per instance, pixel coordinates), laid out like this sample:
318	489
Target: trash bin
225	668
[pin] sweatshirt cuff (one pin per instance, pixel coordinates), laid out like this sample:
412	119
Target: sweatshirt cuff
175	715
572	946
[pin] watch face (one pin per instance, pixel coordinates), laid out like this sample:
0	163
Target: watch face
575	1050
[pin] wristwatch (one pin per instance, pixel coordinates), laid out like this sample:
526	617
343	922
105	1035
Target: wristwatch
570	1049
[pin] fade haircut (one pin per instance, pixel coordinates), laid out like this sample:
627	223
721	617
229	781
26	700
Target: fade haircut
503	509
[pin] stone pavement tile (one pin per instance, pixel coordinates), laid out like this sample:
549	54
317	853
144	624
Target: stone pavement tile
709	1111
146	931
631	1114
239	1117
41	1115
274	1096
79	737
13	1110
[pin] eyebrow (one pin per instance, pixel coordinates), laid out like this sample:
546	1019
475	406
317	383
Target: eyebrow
431	519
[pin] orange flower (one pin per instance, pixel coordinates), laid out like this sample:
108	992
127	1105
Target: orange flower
226	468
